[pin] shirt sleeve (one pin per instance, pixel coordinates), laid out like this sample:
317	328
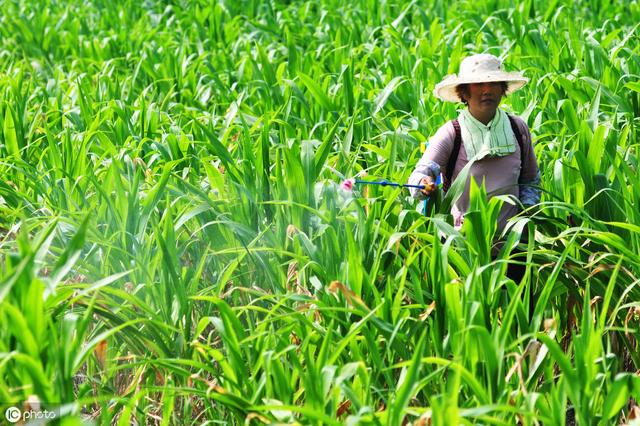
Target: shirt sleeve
530	173
435	158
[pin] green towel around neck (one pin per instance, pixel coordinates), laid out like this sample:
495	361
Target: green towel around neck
496	138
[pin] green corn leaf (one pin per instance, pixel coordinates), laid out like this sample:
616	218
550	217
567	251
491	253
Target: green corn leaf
382	98
10	134
316	92
617	397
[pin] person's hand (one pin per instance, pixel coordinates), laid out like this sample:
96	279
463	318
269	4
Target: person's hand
429	185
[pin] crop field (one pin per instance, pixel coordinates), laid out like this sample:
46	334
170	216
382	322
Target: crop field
177	247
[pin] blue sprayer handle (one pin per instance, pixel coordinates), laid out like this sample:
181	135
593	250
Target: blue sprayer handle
385	182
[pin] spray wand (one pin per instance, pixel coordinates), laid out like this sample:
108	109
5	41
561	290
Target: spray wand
385	182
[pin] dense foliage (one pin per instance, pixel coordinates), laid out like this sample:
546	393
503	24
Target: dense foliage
176	247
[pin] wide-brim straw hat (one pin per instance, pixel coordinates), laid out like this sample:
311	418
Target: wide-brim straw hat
482	68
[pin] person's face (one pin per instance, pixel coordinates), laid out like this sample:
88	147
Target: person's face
484	98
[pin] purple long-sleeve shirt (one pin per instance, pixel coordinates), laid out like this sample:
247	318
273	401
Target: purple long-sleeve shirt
502	174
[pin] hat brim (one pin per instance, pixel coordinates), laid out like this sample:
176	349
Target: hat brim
446	89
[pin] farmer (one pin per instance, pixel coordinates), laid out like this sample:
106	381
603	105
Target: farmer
500	144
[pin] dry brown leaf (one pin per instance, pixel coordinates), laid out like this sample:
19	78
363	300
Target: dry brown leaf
350	296
159	377
423	316
295	340
139	162
424	420
549	324
292	271
101	352
218	389
513	368
632	417
258	416
344	408
532	349
634	413
517	368
291	230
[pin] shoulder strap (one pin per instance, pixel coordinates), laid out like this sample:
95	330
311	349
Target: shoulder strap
516	130
457	141
518	135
